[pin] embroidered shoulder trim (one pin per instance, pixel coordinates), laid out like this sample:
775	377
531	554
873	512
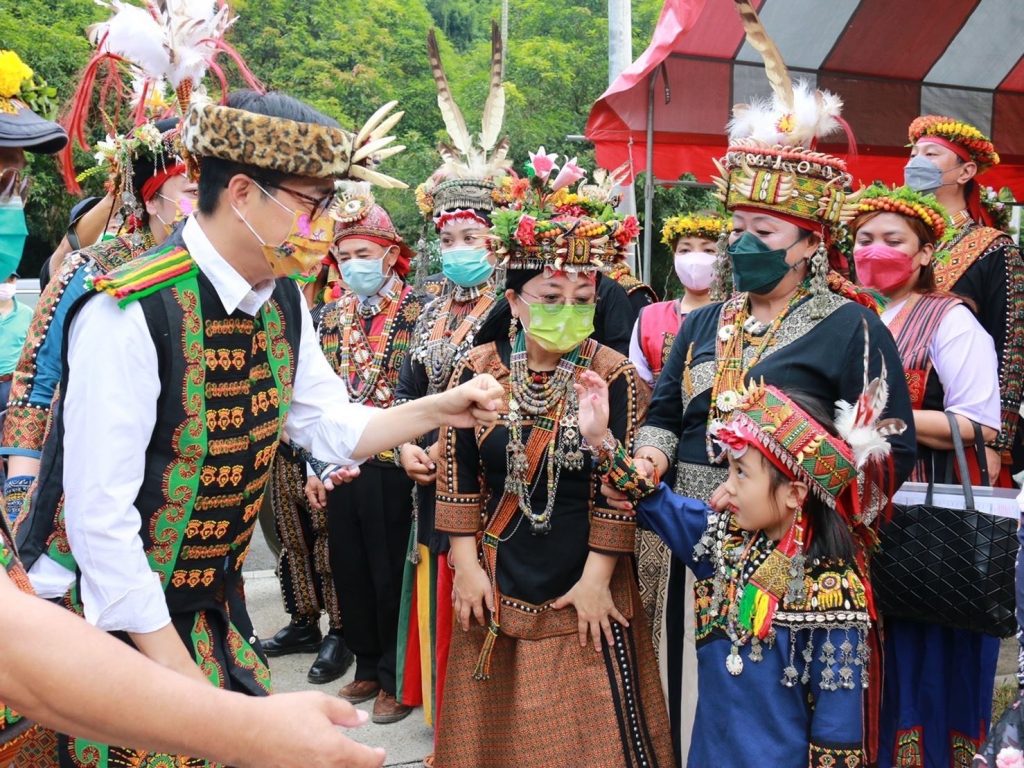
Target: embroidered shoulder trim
147	275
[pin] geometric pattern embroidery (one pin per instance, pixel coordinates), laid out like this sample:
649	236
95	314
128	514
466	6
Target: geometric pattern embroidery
962	749
822	756
908	752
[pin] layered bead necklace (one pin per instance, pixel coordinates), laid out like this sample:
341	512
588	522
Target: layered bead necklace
359	364
439	346
731	363
551	402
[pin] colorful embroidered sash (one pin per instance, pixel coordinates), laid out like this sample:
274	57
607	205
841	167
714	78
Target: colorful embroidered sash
967	250
913	328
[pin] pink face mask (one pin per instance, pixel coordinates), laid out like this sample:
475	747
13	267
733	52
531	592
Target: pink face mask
695	270
882	267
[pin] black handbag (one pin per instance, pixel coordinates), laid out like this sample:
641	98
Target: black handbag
952	567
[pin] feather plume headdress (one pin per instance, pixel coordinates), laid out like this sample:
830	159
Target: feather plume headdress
771	163
473	165
143	54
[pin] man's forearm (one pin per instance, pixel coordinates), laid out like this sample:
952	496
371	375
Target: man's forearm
60	671
401	424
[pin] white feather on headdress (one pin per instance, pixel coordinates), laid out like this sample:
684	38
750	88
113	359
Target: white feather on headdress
860	424
177	42
815	115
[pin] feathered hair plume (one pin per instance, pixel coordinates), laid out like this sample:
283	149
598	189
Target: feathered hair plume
139	49
795	116
463	157
860	424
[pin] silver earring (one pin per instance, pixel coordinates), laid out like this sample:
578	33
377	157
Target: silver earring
819	281
722	287
513	330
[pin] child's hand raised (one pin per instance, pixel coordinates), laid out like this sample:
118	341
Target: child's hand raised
592	393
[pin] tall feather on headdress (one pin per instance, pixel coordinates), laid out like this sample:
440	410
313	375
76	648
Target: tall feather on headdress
796	115
137	50
463	157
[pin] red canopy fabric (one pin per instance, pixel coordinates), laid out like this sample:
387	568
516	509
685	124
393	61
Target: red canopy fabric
889	61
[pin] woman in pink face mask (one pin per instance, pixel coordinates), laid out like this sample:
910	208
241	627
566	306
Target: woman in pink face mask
950	365
693	239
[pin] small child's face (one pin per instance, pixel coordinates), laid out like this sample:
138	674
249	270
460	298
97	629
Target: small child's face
751	498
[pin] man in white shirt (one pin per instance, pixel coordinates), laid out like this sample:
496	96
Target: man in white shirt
181	371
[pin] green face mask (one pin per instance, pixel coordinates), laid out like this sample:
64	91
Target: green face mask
756	267
560	327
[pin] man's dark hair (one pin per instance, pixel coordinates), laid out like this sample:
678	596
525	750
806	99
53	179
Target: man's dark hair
216	173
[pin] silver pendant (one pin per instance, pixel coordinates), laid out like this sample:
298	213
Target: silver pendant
734	662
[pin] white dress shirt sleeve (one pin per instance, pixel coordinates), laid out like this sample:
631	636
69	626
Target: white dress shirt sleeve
964	357
110	406
636	356
321	418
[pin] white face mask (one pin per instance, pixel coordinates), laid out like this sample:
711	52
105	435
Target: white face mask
695	270
7	291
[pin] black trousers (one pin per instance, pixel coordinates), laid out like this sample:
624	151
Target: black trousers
304	566
368	522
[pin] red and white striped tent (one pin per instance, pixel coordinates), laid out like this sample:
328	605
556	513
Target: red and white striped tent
889	60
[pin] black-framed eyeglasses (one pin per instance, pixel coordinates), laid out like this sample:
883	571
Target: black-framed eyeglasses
317	205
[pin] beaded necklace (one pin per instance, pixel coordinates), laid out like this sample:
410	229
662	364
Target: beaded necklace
363	378
440	345
551	401
731	366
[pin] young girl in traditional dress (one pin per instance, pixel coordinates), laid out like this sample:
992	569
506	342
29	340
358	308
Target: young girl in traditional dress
784	611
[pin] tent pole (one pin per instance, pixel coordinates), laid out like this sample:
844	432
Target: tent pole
649	181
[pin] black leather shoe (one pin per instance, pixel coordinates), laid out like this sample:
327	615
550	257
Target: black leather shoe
294	638
332	662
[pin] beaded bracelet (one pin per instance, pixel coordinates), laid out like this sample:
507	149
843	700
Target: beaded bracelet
621	473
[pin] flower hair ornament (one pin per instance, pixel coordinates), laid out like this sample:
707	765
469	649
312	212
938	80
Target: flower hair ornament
543	223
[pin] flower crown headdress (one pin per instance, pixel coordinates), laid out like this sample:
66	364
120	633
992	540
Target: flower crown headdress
958	135
707	226
910	203
542	223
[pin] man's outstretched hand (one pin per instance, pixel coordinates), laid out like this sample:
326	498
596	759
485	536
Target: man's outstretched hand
470	404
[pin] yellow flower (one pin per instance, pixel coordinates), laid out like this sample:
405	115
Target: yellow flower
13	73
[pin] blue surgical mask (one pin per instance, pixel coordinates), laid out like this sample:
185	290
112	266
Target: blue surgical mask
922	175
364	277
13	232
467	266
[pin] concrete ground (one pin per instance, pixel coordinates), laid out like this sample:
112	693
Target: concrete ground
407	742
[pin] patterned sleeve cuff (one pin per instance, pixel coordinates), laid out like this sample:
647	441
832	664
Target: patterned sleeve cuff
664	440
612	531
1005	439
24	430
618	469
827	756
459	514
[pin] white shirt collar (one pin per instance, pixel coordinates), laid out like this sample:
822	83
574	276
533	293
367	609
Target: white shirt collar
232	289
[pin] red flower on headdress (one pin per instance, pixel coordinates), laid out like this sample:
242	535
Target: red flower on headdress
730	438
629	229
525	233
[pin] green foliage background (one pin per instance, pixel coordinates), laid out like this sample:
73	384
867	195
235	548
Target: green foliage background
347	58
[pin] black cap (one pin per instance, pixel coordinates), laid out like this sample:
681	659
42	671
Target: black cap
26	130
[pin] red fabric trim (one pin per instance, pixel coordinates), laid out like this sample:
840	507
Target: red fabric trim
444	622
953	147
152	186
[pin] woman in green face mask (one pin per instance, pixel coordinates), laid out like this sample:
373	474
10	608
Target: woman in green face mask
546	604
790	321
